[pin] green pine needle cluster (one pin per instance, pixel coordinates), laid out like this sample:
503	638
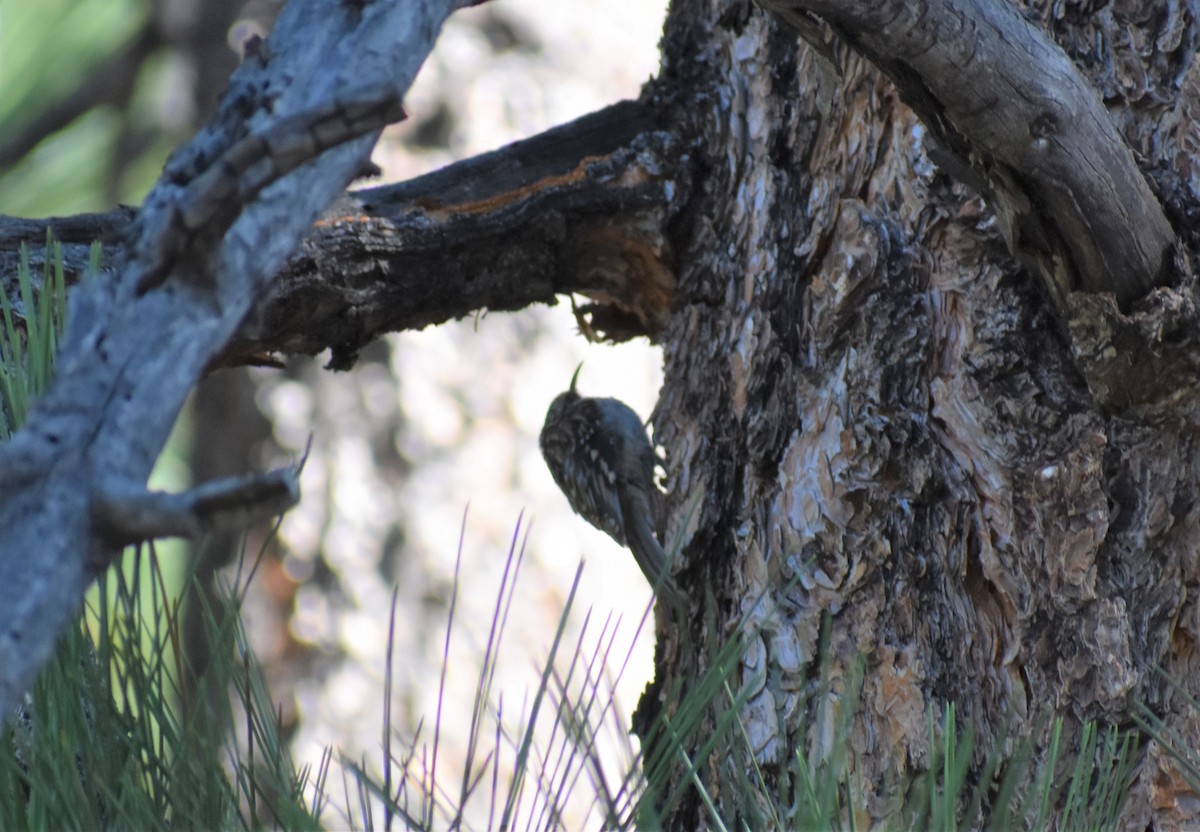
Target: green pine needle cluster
30	334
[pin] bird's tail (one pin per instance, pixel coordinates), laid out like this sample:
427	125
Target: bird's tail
647	551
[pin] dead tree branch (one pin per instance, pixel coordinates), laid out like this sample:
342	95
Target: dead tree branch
582	208
137	515
229	210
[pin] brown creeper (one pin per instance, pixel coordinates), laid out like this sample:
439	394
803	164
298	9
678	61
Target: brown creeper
599	455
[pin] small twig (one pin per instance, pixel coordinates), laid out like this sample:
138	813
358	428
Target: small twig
126	515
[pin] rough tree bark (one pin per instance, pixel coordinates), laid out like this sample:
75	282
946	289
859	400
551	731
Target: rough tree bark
923	274
915	394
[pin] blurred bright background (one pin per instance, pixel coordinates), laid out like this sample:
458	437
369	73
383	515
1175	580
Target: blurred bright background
97	92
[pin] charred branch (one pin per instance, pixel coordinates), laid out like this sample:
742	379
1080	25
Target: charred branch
107	226
582	208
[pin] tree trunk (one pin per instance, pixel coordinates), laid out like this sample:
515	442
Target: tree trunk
899	420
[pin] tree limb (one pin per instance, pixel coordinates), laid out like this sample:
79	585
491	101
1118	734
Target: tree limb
582	208
129	515
1023	126
195	268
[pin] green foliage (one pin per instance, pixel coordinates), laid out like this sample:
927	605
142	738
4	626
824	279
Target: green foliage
820	778
50	52
30	335
50	47
962	789
709	718
102	742
1168	738
1083	789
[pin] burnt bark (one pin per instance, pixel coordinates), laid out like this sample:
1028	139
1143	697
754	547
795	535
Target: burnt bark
583	208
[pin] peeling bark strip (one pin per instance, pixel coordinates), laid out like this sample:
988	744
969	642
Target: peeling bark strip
1016	113
128	360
